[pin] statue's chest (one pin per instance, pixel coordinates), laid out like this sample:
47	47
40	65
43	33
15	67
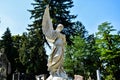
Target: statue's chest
59	42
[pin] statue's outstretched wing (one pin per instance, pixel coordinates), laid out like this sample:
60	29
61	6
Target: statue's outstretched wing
47	26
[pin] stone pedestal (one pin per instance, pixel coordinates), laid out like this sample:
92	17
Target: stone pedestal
56	78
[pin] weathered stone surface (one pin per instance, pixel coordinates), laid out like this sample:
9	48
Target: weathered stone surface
56	78
55	63
4	66
78	77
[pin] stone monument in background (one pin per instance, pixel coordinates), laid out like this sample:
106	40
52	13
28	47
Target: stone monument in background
4	66
78	77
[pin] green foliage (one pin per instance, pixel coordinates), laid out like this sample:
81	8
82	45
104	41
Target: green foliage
11	45
7	45
108	46
92	57
32	55
81	58
32	51
23	50
73	57
16	46
59	13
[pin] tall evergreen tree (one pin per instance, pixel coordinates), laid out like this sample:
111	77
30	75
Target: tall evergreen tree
7	45
59	12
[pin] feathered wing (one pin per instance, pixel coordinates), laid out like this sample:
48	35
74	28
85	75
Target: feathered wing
47	26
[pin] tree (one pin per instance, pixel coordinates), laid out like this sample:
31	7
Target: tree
108	46
82	57
73	57
59	12
32	56
91	57
17	40
74	53
7	45
32	52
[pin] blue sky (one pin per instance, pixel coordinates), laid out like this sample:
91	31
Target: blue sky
14	14
94	12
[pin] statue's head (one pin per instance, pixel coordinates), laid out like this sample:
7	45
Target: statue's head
59	27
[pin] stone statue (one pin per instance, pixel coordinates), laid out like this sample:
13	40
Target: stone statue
5	67
55	63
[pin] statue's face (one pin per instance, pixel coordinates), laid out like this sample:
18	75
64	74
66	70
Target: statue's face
59	27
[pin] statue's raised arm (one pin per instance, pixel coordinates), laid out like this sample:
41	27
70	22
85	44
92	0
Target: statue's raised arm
47	26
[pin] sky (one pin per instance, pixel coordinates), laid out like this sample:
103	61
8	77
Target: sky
94	12
14	14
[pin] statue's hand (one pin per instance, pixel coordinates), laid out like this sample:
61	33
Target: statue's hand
47	6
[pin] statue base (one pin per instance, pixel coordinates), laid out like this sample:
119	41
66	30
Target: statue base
56	78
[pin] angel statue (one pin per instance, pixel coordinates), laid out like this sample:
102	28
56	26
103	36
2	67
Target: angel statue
55	62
